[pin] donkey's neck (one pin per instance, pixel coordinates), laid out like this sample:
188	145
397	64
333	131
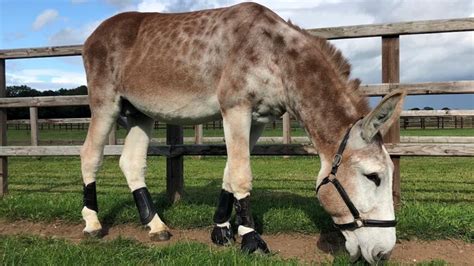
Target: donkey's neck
326	120
322	97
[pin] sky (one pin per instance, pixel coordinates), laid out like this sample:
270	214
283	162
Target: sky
423	58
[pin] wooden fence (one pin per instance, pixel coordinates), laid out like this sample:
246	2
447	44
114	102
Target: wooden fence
174	149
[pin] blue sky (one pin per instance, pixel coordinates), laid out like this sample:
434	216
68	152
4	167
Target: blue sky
433	57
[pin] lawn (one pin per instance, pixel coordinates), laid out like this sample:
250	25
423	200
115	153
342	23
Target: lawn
437	203
22	137
437	194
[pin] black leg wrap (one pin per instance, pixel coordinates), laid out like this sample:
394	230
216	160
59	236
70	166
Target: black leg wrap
222	235
252	242
224	208
243	214
144	203
90	197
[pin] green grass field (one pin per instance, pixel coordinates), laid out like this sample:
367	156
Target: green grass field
22	137
437	204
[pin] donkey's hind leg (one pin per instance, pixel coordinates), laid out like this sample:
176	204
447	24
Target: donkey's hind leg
92	152
133	165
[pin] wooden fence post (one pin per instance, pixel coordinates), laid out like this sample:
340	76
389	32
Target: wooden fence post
198	134
286	128
391	74
3	133
34	126
174	165
113	135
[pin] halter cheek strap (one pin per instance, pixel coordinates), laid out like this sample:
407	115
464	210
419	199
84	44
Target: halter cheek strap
358	222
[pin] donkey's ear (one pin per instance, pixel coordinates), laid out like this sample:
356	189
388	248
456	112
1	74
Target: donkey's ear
383	116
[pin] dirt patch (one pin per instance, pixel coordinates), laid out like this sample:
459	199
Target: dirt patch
305	247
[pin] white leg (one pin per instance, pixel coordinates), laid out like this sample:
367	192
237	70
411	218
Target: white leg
256	130
133	162
237	174
91	159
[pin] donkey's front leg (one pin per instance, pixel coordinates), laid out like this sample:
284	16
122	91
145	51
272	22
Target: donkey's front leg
238	179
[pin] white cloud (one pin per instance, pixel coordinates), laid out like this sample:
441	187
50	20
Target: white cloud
46	17
72	36
178	5
45	79
151	6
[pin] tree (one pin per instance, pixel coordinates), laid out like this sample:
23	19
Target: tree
50	112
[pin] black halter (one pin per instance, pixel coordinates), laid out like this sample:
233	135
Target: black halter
358	222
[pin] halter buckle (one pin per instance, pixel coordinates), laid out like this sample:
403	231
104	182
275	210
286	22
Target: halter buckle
337	160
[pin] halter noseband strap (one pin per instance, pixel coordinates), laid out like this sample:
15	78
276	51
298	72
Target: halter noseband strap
358	222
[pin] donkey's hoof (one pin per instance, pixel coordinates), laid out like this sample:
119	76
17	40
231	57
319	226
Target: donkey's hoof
253	243
93	234
222	236
160	236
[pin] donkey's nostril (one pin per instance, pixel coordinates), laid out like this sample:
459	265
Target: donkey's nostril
383	256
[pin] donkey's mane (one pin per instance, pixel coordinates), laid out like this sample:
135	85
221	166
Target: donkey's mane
342	66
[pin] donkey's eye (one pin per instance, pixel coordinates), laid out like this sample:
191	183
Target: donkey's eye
374	177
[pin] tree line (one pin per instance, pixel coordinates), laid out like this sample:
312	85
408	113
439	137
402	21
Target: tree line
47	112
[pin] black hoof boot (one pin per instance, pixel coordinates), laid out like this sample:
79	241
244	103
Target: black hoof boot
222	236
252	242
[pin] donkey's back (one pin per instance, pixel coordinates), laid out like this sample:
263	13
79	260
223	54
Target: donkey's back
169	66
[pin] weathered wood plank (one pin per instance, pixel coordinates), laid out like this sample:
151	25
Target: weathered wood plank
51	121
391	74
442	139
113	135
34	126
198	134
305	140
456	87
425	88
400	28
51	51
437	113
3	132
174	164
344	32
286	128
412	149
400	149
44	101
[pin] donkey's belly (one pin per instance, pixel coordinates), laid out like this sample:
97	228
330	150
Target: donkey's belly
180	110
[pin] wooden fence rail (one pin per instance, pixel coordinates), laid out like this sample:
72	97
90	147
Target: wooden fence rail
431	88
174	149
178	150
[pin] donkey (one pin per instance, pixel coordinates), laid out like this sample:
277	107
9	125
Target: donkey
247	65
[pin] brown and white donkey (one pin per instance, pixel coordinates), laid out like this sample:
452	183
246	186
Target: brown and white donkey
245	64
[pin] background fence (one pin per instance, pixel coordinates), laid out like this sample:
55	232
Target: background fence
174	149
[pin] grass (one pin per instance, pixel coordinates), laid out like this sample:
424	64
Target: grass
33	250
23	136
437	204
28	250
437	194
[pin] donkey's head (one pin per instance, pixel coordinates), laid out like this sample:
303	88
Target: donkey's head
364	173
